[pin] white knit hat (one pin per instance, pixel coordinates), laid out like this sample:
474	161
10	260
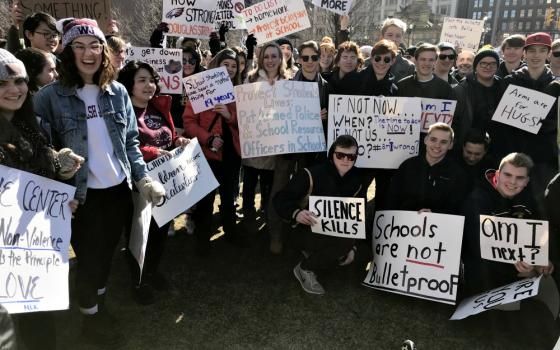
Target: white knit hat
10	66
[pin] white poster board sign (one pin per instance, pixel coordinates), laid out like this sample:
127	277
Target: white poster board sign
523	108
416	254
168	63
209	88
190	18
341	7
494	298
230	13
343	217
272	19
279	119
387	128
462	32
140	229
510	240
436	111
186	177
34	241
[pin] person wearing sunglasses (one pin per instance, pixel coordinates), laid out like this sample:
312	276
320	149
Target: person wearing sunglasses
555	59
335	177
445	62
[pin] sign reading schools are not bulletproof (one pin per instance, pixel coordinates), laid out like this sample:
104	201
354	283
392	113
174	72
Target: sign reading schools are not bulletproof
436	111
416	254
189	18
523	108
186	177
462	32
209	88
341	7
273	19
34	239
510	240
339	216
167	62
387	128
100	10
279	119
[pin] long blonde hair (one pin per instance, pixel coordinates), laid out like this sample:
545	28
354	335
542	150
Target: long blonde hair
253	75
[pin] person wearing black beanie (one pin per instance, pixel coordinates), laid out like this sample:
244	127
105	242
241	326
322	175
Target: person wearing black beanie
288	52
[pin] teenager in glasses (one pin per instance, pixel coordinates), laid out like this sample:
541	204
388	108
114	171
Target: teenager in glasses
39	30
335	177
555	59
191	65
445	62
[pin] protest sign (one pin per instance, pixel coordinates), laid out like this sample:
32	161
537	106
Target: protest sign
272	19
462	32
100	10
190	18
140	229
387	128
209	88
523	108
186	177
436	111
339	217
230	13
341	7
279	119
34	239
511	240
494	298
416	254
168	63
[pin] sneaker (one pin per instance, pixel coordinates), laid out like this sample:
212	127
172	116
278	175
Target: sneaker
100	330
144	294
308	280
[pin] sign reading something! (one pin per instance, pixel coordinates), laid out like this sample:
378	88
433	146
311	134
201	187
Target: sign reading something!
338	216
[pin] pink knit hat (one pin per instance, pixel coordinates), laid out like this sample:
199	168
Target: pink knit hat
81	27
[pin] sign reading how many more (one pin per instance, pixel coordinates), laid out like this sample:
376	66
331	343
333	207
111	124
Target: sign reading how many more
339	217
35	231
436	111
273	19
462	32
523	108
387	128
511	240
341	7
167	62
99	10
230	13
190	18
416	254
209	88
279	119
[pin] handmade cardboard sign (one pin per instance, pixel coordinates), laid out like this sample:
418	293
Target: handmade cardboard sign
436	111
99	10
462	32
230	13
341	7
209	88
190	18
168	63
339	216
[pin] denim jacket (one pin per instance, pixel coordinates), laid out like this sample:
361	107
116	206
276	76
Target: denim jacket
63	117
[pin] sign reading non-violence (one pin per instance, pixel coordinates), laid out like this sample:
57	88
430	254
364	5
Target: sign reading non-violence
279	119
510	240
230	13
510	293
209	88
523	108
187	178
436	111
387	128
100	10
416	254
167	62
342	7
34	238
190	18
339	216
272	19
462	33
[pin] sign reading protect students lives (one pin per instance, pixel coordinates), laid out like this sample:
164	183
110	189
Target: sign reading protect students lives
339	216
99	10
523	108
272	19
209	88
190	18
511	240
279	119
387	128
34	238
436	111
186	177
462	32
341	7
168	63
416	254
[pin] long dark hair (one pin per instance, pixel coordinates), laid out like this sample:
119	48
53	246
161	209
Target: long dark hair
127	73
35	61
70	76
224	55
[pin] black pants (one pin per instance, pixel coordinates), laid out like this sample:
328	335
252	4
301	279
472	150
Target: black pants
324	251
250	178
96	230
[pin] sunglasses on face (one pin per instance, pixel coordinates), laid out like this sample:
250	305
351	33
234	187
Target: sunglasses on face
443	57
314	58
386	59
340	156
190	61
556	54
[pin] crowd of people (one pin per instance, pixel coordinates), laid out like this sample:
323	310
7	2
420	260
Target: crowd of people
71	109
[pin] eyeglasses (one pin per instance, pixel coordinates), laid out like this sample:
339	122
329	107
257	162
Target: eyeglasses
488	65
556	54
191	61
81	48
48	35
442	56
386	59
314	58
350	156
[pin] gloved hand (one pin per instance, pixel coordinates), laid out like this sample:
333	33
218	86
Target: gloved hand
214	44
156	39
69	162
250	44
223	30
150	190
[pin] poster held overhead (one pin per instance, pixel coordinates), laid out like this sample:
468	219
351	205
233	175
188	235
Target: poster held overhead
341	7
462	32
190	18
